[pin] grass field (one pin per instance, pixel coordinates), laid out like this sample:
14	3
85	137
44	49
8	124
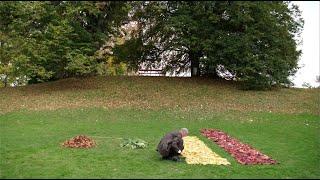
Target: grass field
36	119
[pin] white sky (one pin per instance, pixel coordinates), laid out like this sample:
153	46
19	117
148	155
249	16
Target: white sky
309	60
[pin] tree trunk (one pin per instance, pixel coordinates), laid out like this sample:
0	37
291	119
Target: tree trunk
6	81
194	58
211	73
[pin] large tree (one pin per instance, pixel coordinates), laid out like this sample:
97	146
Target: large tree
43	41
254	41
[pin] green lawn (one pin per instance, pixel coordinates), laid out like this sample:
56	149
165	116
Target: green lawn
30	144
271	121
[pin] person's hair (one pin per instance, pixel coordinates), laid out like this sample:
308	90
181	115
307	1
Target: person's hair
185	130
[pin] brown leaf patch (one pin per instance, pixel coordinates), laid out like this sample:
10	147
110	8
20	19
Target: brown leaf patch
243	153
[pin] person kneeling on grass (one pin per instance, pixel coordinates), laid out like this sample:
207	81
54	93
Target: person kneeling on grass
171	145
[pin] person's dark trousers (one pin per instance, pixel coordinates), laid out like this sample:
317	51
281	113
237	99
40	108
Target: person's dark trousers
174	156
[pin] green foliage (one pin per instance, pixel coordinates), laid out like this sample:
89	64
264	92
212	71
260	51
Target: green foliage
110	67
255	41
256	82
79	64
49	40
42	41
13	65
131	53
135	143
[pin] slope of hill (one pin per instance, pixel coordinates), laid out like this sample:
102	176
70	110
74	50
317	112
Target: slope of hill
183	94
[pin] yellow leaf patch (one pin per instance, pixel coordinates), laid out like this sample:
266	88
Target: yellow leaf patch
196	152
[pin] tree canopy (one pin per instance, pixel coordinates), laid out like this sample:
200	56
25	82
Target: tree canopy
254	41
43	41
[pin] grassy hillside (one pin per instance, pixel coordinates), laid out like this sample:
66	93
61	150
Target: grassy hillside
183	94
283	124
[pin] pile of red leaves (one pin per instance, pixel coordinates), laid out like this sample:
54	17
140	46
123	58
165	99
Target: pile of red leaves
243	153
80	141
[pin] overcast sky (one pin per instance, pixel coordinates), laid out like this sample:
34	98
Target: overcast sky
309	61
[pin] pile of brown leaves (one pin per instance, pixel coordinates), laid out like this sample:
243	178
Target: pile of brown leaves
80	141
243	153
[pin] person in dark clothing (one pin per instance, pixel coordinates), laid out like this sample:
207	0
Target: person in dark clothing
171	145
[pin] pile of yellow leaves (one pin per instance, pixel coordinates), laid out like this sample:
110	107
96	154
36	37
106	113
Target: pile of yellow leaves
196	152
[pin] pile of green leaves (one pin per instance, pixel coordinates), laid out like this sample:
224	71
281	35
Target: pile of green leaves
135	143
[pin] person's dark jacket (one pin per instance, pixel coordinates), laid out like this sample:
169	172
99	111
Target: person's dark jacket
170	144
